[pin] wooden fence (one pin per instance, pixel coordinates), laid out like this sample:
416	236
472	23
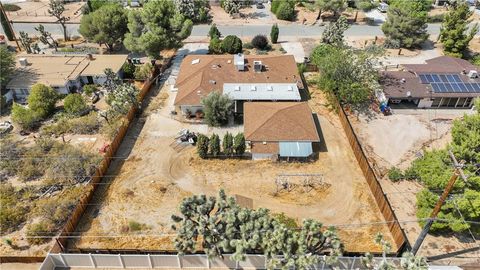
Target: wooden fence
383	204
61	240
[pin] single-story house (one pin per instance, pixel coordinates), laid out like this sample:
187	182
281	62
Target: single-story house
64	73
442	82
242	77
279	129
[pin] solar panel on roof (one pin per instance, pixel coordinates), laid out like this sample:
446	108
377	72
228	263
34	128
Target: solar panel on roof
463	88
436	78
436	88
423	78
443	78
443	87
449	87
477	87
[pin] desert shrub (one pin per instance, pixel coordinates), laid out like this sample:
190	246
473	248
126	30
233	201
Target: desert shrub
228	143
395	174
286	11
214	145
134	226
39	233
239	144
410	174
11	7
25	117
89	89
202	145
10	152
232	44
215	46
42	99
260	42
87	124
74	104
144	71
110	129
274	33
247	45
56	209
286	220
12	212
274	6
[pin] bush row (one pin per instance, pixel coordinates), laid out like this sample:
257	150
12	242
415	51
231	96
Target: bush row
230	145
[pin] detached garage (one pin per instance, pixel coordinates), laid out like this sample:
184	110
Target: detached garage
280	129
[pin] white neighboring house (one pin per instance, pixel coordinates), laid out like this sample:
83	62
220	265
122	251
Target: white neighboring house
64	73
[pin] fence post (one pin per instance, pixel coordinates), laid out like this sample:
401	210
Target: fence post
208	262
92	261
120	260
237	265
150	260
63	260
179	261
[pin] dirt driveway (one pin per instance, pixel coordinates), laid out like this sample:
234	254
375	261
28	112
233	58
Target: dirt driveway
149	179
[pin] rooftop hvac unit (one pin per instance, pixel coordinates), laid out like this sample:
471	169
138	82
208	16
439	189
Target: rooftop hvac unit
472	74
23	62
239	61
257	66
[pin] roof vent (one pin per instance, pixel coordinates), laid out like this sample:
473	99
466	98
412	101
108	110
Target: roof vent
409	94
257	66
403	80
472	74
269	88
237	88
253	88
23	62
290	88
195	61
212	81
89	56
215	66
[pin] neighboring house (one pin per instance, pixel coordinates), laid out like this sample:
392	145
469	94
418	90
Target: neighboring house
442	82
64	73
280	129
243	78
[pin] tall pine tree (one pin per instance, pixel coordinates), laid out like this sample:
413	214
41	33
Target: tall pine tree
455	34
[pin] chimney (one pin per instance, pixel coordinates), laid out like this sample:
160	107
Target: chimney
89	56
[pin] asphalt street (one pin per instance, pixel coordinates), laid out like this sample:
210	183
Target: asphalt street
239	30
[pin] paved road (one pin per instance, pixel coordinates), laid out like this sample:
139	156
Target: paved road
240	30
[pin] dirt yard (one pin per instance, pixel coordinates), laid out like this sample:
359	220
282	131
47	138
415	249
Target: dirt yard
149	179
37	11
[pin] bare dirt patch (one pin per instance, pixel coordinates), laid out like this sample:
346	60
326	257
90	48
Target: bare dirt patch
150	178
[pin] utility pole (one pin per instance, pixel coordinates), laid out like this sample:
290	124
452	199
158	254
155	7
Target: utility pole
2	10
457	172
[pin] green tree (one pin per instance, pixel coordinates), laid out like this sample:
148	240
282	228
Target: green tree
112	80
239	144
196	10
156	27
96	4
42	100
128	70
406	24
56	9
123	98
334	6
274	33
214	145
228	144
89	89
75	104
46	37
455	34
106	25
232	44
218	109
219	226
202	145
214	32
25	117
215	46
333	33
349	74
7	65
232	6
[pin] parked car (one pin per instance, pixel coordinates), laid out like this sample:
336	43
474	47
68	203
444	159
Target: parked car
383	7
260	6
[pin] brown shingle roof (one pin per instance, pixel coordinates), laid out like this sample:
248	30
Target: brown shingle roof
279	121
442	64
212	71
